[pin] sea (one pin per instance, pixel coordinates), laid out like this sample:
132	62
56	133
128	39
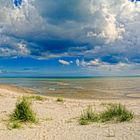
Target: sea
80	87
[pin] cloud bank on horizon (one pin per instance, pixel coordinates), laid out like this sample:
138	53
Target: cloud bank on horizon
97	33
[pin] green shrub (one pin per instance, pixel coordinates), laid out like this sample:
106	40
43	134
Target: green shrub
23	111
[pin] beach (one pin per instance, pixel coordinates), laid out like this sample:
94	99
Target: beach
69	70
59	120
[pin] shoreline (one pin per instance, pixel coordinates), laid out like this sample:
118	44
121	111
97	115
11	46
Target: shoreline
23	91
58	120
26	90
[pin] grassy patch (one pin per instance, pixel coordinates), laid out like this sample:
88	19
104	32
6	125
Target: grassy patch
117	113
38	98
88	116
114	112
59	99
14	125
23	113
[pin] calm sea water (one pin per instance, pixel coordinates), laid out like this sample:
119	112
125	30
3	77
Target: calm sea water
87	88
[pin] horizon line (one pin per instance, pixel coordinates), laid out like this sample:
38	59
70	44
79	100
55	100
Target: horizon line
53	77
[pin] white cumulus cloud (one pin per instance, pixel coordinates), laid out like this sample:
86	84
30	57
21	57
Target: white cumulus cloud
64	62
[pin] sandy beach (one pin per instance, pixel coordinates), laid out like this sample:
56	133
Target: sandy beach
58	120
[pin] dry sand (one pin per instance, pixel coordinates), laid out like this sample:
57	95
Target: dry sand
58	121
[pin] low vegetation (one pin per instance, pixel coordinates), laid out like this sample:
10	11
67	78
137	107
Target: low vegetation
114	112
60	99
14	125
38	98
117	113
23	113
88	116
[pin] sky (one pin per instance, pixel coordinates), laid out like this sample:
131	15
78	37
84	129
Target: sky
69	38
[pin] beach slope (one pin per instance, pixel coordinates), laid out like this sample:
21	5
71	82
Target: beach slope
59	120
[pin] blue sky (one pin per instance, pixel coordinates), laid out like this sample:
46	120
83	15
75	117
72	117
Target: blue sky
69	38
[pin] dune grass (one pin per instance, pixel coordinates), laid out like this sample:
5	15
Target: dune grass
38	98
59	99
115	113
14	125
23	113
88	116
